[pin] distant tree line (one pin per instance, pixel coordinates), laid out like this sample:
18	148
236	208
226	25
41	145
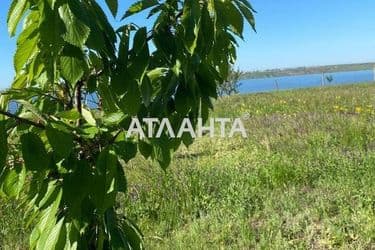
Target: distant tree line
232	84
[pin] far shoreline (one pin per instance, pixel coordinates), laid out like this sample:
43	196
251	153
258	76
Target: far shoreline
307	70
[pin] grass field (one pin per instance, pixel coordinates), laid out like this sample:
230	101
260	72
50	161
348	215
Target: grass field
303	179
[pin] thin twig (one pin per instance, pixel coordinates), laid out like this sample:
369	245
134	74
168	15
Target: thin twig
22	120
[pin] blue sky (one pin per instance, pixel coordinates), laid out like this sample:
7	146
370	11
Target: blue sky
290	33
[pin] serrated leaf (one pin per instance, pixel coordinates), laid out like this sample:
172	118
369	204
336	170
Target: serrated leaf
247	13
247	4
104	189
145	149
51	29
190	21
162	152
139	6
131	100
133	234
61	142
33	152
13	181
126	150
49	195
16	11
113	6
109	99
55	235
77	32
77	185
72	69
46	223
29	107
140	55
146	89
26	47
233	17
113	118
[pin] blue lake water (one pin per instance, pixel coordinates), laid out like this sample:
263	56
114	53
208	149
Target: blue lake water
304	81
293	82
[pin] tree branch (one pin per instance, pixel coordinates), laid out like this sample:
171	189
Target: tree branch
22	120
79	96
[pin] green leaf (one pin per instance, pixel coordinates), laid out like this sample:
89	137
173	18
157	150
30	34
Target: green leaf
87	115
113	118
113	6
122	183
232	17
123	52
61	142
162	152
145	149
26	47
77	32
76	186
190	21
247	4
90	132
157	73
34	110
247	12
46	224
47	198
34	152
146	89
182	100
20	82
72	69
117	237
72	236
10	180
55	235
13	181
51	28
140	55
72	114
131	100
109	99
16	11
104	191
3	145
236	19
139	6
133	234
126	150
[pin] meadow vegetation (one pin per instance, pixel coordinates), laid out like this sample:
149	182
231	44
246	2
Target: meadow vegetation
303	179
